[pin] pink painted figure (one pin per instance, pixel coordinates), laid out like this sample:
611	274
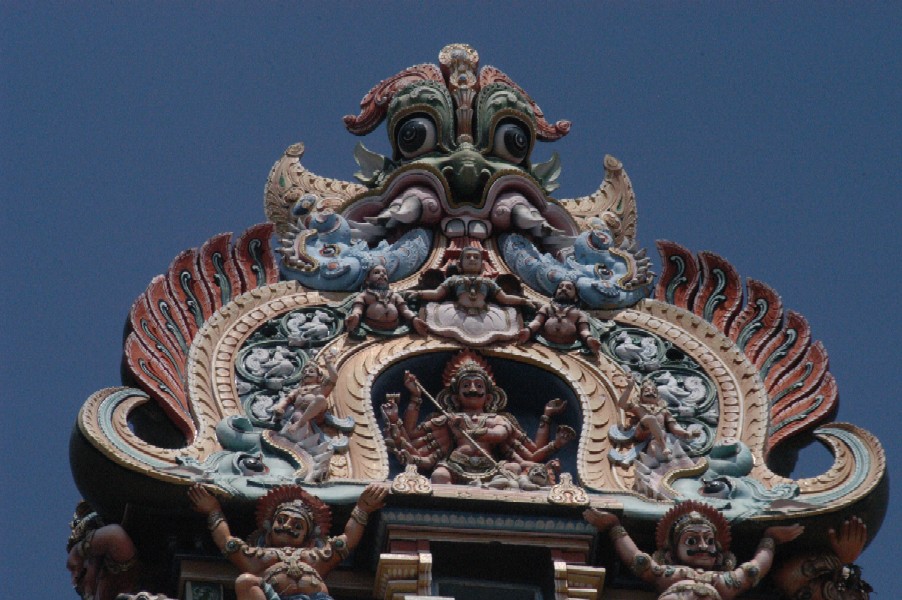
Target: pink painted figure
479	312
652	420
102	559
561	321
828	575
693	560
470	440
292	557
377	305
309	398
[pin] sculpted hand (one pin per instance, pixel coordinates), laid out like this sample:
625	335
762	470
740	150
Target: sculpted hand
784	533
850	541
202	500
524	335
372	498
600	519
555	407
458	421
390	408
412	383
563	436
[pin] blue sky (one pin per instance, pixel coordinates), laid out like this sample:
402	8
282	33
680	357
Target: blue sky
768	133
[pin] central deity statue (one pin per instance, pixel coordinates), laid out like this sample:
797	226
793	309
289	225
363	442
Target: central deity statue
470	439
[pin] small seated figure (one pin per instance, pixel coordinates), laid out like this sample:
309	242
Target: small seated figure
377	305
561	321
290	555
474	315
102	559
693	559
470	441
308	400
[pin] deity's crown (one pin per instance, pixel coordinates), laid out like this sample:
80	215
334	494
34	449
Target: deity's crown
467	363
470	364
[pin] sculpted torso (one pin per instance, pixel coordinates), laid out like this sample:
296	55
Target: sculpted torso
380	311
561	325
292	572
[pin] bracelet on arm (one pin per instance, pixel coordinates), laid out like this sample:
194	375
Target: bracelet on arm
616	532
360	516
214	519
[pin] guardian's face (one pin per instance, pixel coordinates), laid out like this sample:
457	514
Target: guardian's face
696	547
82	574
288	529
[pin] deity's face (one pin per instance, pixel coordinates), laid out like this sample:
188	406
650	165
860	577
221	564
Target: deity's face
378	277
288	529
696	547
471	262
565	292
310	375
472	392
648	393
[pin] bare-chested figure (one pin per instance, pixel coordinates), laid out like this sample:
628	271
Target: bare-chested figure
309	398
470	307
102	559
653	421
377	305
471	440
561	321
292	556
693	560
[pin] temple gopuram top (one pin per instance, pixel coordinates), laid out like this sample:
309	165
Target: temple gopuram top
440	380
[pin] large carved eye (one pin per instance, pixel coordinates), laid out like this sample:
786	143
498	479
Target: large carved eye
511	141
416	136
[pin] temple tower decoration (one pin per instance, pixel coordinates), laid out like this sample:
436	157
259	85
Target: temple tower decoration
440	380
